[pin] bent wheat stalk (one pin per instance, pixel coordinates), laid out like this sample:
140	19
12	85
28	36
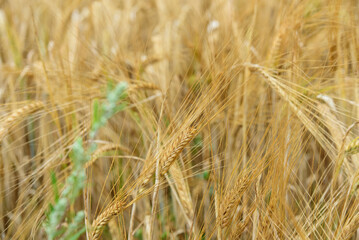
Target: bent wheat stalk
108	147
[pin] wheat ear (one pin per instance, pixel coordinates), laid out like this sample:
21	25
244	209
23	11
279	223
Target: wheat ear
182	189
175	148
232	198
18	115
101	221
168	155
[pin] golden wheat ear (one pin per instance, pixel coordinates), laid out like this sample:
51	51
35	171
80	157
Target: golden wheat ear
13	119
101	221
232	198
175	148
167	157
182	189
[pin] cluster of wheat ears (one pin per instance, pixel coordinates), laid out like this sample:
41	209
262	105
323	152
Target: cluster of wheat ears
238	119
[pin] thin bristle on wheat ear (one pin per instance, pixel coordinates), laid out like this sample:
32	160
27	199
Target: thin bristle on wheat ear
167	157
232	198
350	228
168	154
108	147
241	225
100	222
19	114
353	147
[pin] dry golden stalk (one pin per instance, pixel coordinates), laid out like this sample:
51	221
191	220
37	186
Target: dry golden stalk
100	222
266	226
19	114
355	185
232	198
350	228
353	147
108	147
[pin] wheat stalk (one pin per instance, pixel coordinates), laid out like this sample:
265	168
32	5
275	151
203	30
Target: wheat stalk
99	152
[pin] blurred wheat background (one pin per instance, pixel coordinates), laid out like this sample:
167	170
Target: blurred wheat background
181	119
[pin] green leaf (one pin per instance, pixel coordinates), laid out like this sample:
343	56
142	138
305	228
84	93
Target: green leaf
206	175
54	185
78	234
110	85
139	234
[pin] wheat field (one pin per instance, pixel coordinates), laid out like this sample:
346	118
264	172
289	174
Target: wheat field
180	119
